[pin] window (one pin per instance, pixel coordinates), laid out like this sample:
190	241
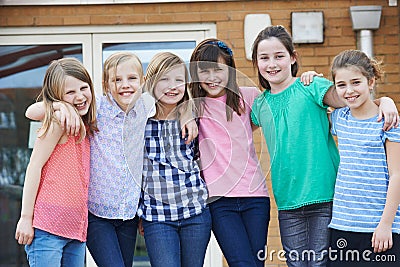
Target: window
24	56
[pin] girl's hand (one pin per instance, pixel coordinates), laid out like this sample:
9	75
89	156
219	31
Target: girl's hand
388	110
24	233
382	238
140	227
190	131
307	77
68	117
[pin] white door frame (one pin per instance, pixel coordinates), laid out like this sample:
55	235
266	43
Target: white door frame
91	38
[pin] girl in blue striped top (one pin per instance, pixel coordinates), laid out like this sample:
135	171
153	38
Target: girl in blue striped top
366	215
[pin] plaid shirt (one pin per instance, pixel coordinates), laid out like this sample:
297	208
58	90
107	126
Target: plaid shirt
172	186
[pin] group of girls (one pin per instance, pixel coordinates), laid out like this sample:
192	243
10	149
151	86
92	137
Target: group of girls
178	187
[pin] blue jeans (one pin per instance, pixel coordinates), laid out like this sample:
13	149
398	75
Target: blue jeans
240	225
305	234
181	243
111	242
48	250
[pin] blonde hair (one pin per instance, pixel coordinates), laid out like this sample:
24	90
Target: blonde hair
112	63
160	64
54	89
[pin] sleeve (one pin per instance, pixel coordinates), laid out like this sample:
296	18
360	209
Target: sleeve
248	95
150	104
317	89
334	117
392	135
99	100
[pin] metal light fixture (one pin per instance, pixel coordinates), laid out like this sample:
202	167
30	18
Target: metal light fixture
308	27
364	20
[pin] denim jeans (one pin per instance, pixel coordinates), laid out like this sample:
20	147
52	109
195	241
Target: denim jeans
111	242
48	250
181	243
240	225
353	249
305	234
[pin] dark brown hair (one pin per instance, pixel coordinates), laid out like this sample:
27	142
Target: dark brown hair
284	37
205	56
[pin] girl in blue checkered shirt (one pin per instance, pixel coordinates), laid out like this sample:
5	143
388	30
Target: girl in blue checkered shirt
175	219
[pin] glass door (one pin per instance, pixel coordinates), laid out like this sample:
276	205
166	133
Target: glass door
23	62
145	46
24	56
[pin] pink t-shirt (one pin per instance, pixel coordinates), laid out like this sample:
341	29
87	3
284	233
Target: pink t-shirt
61	203
229	162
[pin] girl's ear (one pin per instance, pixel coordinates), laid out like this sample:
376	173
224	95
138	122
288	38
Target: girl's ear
371	83
293	58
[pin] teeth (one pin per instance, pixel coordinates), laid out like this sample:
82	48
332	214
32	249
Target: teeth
80	105
126	93
353	98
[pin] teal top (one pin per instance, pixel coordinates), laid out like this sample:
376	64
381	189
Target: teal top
303	154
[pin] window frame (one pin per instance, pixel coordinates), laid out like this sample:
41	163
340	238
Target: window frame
92	38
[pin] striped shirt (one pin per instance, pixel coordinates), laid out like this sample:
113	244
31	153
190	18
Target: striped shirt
363	178
172	186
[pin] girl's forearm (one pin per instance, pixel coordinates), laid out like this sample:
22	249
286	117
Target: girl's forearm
35	111
31	186
392	200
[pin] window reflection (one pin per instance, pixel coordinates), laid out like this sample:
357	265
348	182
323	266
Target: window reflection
22	68
145	51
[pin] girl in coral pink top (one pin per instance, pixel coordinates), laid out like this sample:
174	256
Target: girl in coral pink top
54	213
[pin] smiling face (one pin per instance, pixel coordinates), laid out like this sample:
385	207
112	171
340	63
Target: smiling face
124	83
170	88
353	87
78	94
214	80
274	63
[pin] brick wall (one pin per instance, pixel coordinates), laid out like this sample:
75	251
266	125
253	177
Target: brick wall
229	17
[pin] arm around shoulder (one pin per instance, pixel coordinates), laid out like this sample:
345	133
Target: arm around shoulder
387	110
35	111
332	99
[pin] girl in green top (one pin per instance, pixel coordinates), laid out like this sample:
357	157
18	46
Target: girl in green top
304	156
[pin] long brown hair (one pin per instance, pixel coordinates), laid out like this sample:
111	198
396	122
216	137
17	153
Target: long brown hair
53	91
284	37
206	55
